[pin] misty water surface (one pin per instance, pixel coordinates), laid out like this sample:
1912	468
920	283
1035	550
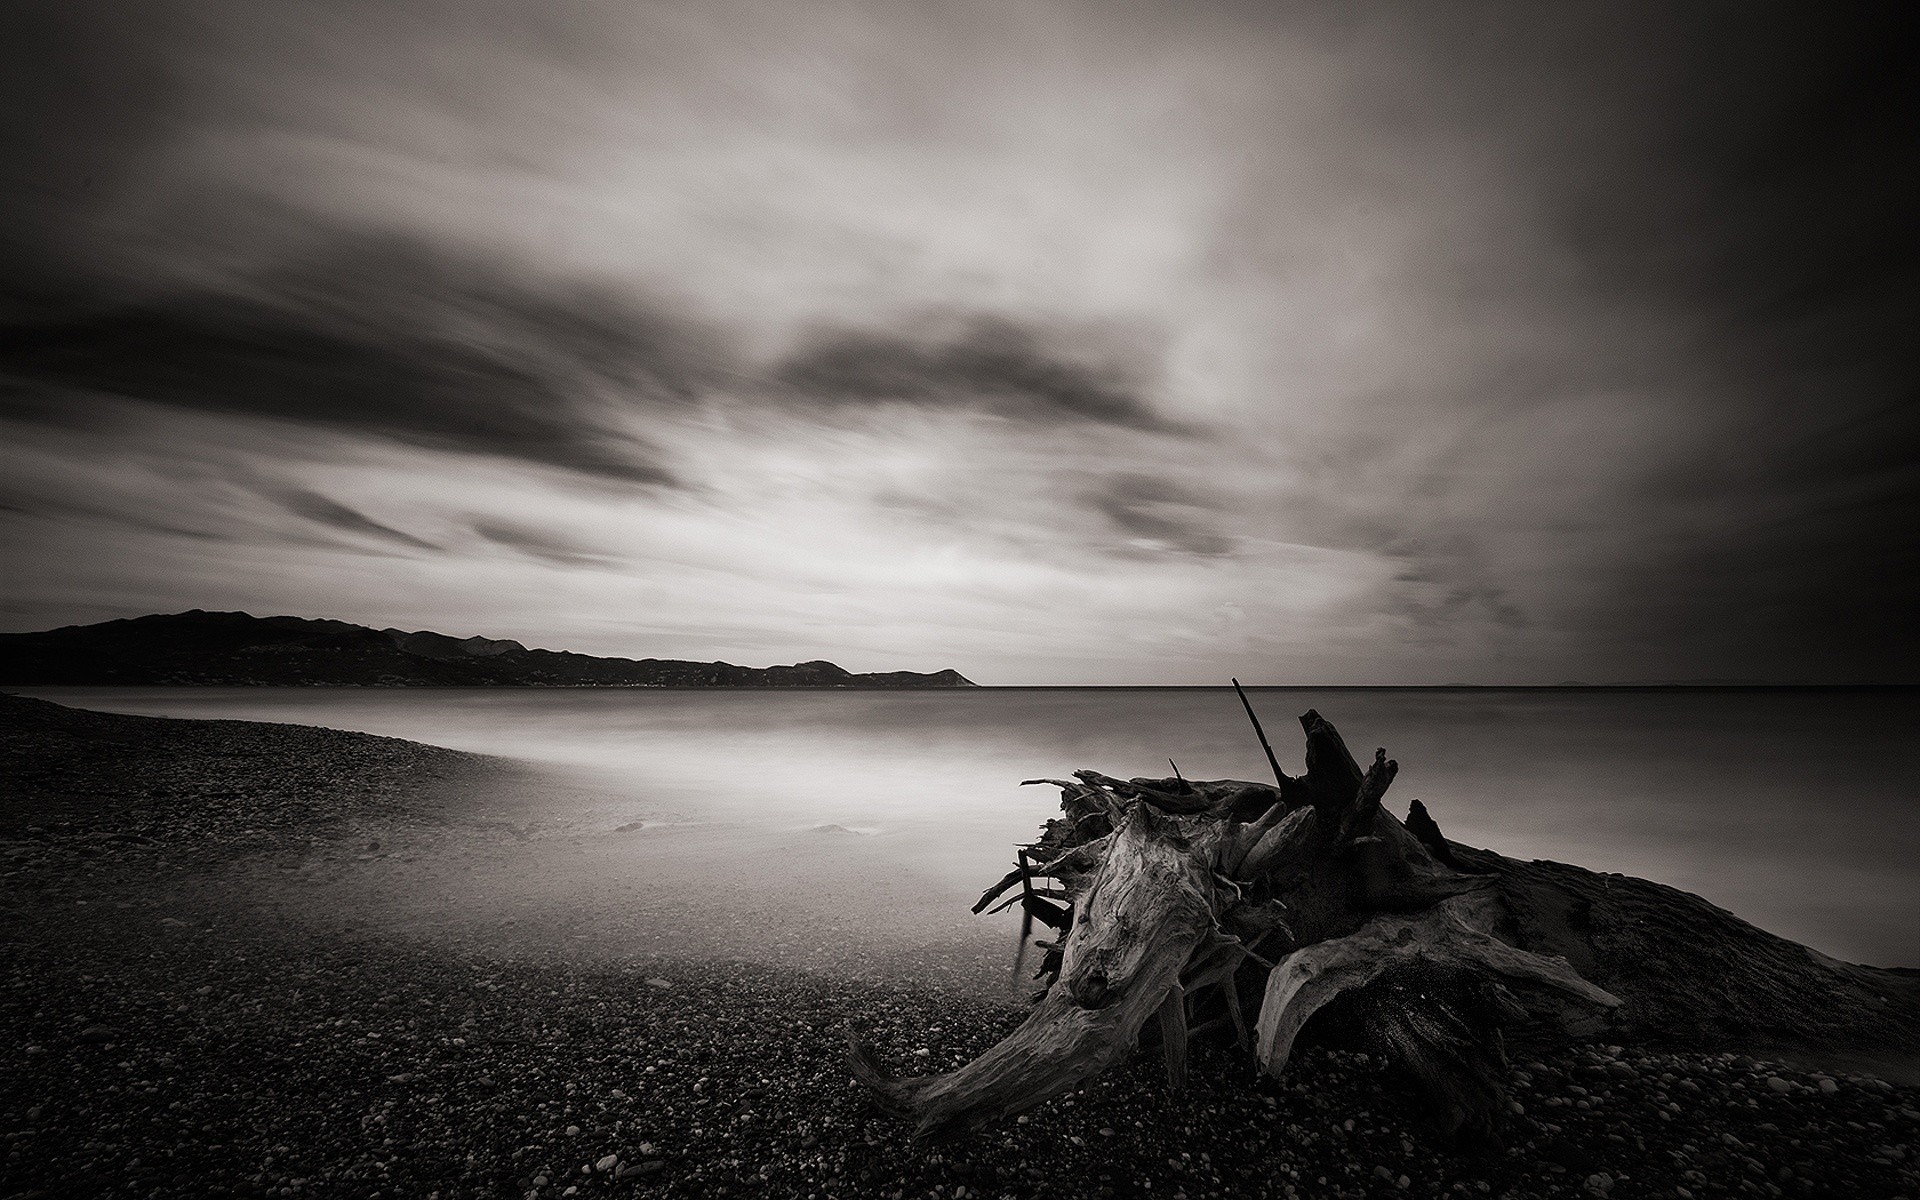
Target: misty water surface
835	827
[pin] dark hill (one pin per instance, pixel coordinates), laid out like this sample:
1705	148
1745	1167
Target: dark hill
216	648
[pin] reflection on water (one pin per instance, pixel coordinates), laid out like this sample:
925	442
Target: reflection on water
1794	809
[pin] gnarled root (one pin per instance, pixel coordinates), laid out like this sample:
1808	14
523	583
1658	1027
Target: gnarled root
1167	888
1117	971
1432	992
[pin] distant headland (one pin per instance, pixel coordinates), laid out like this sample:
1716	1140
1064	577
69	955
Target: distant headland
239	649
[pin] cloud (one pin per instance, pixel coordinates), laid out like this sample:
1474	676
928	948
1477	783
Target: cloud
1160	515
992	364
1078	322
24	505
325	511
386	338
542	544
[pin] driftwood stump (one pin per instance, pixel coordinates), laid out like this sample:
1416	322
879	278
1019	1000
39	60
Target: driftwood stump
1198	904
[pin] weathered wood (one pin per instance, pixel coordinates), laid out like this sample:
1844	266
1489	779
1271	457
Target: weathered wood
1054	916
1189	801
1164	894
1448	936
1357	819
1420	824
1440	1025
997	890
1030	893
1282	845
1173	1036
1231	989
1332	777
1077	859
1279	776
1242	840
1116	970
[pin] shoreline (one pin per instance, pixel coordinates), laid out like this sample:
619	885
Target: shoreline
1652	688
182	1037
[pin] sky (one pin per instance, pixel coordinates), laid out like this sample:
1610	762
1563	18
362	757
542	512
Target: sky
1053	342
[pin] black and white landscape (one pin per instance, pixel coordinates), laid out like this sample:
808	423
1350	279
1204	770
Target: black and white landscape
581	580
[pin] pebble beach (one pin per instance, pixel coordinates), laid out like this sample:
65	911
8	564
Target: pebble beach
171	1033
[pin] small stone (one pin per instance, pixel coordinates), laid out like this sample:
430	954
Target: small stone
1829	1087
1382	1173
607	1164
1778	1084
97	1034
657	982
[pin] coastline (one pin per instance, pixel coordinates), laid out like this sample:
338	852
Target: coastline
179	1036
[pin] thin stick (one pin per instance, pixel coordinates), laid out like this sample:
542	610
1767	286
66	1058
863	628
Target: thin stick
1026	921
1176	769
1279	777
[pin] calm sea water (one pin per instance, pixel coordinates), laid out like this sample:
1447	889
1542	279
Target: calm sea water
818	819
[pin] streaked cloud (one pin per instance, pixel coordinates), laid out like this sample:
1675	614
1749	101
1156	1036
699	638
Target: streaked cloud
383	337
1161	516
324	510
991	364
536	543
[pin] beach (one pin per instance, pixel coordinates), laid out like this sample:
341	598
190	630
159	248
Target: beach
183	1027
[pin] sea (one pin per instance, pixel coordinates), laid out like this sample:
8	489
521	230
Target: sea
852	830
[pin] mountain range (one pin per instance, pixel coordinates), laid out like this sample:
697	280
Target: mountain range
238	649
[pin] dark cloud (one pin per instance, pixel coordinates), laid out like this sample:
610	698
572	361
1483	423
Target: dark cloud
83	98
327	511
990	364
1172	517
25	504
1439	613
1712	219
1796	553
382	337
535	543
1752	156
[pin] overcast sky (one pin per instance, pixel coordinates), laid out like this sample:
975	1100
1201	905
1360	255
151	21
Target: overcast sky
1053	342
